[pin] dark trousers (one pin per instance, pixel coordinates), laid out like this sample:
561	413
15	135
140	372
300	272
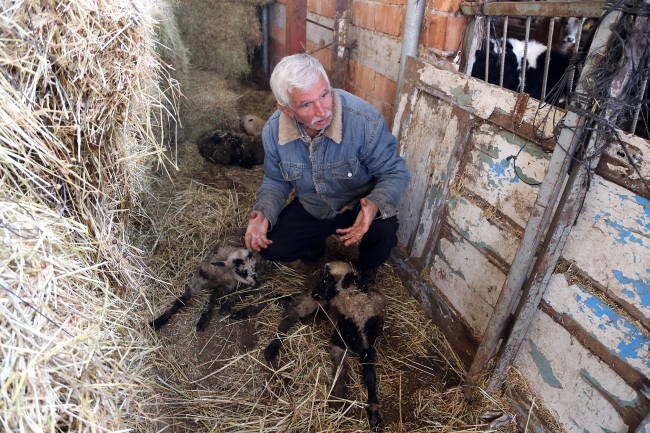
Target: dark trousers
297	232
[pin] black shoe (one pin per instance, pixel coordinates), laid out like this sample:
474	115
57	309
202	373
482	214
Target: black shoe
316	252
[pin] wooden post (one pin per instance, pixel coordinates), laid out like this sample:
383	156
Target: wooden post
296	26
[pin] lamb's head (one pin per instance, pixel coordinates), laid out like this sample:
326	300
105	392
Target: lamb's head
327	285
252	125
243	264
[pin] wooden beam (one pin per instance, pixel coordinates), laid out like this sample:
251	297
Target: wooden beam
296	26
340	50
588	9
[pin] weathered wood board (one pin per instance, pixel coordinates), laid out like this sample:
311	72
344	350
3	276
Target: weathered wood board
477	154
575	386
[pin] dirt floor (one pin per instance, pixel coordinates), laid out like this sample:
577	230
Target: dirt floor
217	380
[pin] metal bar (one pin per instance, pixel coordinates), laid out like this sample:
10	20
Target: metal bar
265	41
524	60
487	47
589	9
503	50
568	210
551	26
637	109
575	49
411	40
539	217
319	24
340	49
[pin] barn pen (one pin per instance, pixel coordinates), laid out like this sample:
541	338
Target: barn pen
518	298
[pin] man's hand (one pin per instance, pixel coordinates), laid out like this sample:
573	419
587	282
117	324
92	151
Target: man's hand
255	237
361	225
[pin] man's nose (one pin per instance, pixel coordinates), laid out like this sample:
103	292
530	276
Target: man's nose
319	109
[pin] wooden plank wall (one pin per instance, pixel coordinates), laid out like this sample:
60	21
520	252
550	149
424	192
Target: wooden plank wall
587	355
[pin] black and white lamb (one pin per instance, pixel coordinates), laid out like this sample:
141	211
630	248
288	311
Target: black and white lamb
358	310
227	265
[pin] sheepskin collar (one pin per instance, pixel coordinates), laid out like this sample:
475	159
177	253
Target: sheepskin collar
288	128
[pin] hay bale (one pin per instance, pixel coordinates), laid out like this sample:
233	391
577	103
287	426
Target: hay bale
208	105
79	87
221	34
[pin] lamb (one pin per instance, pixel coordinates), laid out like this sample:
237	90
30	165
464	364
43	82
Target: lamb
358	310
252	125
227	265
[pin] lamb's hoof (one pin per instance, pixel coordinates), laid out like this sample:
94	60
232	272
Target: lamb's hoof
374	417
203	322
272	350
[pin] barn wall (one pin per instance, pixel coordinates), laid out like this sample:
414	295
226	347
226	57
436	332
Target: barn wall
586	356
376	30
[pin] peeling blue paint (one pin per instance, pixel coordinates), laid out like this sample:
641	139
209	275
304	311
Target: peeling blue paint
591	381
641	285
544	366
607	430
624	233
461	96
634	344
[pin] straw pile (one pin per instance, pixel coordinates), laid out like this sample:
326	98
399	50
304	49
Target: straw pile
218	380
79	103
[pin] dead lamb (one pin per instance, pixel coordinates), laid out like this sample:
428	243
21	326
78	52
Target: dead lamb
358	310
222	270
232	148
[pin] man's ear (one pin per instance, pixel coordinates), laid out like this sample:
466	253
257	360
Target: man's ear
284	109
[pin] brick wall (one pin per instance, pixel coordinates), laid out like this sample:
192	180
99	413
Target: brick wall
377	27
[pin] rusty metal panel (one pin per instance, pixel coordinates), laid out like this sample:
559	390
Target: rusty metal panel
588	9
583	392
611	243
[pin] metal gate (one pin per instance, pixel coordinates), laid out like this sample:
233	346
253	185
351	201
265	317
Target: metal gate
489	167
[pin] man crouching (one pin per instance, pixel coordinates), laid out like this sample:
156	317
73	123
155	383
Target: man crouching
335	150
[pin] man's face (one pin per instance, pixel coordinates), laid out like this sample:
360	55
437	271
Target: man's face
312	108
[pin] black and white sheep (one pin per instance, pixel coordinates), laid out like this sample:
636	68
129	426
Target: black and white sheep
222	270
232	148
358	310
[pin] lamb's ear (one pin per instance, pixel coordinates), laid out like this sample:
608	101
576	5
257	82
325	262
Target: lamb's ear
222	264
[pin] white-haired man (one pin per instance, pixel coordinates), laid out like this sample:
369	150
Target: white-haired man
335	151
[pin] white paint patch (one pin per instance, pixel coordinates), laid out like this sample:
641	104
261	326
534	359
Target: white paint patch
481	99
470	220
403	99
468	280
610	329
576	404
611	242
377	51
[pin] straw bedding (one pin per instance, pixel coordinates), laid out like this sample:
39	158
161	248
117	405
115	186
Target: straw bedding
99	232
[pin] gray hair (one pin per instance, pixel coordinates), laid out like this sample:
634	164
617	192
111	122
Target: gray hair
299	71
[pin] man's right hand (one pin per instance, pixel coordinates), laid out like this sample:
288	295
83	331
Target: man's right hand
255	237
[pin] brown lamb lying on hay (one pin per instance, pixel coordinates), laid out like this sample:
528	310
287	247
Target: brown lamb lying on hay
232	148
358	310
227	265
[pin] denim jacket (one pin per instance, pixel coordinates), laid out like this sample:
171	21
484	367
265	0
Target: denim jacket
355	157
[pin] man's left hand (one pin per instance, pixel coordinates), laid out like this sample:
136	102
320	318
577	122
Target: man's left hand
354	234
